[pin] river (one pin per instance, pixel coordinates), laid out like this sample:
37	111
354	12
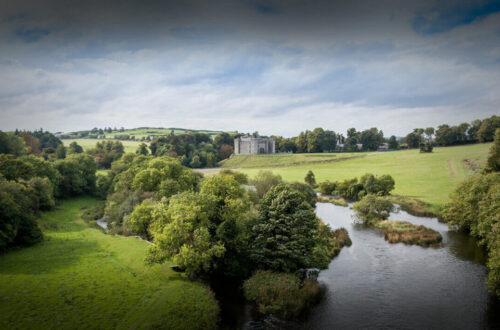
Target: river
374	284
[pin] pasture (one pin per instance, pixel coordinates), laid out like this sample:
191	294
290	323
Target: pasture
430	177
80	277
128	145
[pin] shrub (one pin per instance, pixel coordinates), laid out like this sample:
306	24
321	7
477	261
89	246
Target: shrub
310	179
282	294
327	187
264	181
242	178
373	208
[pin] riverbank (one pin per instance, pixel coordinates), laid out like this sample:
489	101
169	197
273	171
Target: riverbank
80	277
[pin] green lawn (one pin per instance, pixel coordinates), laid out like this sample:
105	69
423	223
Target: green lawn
79	277
428	177
254	161
129	146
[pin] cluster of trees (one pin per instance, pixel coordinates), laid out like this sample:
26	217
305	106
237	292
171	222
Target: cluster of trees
354	189
194	150
446	135
320	140
475	208
214	226
29	184
106	152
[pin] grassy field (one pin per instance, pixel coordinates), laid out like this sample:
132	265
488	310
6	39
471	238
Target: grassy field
145	132
428	177
255	161
130	146
79	277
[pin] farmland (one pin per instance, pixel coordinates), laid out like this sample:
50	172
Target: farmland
430	177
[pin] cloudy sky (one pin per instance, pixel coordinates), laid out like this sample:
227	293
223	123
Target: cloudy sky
277	67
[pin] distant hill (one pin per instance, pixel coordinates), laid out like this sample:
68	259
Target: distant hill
140	133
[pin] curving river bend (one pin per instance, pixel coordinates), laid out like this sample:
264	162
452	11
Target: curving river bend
375	285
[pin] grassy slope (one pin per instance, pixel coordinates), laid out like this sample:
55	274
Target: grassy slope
253	161
429	177
130	146
144	132
80	277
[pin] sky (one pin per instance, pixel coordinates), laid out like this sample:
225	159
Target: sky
276	67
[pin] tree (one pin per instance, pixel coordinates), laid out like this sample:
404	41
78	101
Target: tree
17	207
372	208
195	162
429	131
140	219
283	237
393	142
223	139
413	140
60	152
225	151
11	144
78	175
493	161
264	181
142	149
487	129
310	179
74	148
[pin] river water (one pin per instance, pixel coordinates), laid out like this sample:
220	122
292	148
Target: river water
374	284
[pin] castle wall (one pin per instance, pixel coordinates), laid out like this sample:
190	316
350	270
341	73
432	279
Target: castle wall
254	146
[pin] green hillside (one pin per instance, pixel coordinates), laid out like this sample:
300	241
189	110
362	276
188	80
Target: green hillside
129	146
429	177
79	277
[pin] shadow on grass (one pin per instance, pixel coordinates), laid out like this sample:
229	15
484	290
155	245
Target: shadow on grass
51	255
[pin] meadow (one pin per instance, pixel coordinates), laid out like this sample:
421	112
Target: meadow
149	131
129	146
80	277
255	161
430	177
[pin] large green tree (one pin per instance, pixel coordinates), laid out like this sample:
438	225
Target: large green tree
283	238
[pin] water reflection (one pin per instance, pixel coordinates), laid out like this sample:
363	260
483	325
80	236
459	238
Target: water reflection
375	284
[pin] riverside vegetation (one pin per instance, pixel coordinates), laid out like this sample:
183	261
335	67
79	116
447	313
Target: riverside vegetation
210	229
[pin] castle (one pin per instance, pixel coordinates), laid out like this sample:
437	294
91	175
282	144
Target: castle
249	145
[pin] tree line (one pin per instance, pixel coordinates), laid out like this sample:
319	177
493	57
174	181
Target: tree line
445	135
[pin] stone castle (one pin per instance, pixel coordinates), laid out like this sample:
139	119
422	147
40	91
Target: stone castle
249	145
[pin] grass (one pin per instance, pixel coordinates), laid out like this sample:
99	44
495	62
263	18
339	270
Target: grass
148	131
429	177
260	161
80	277
415	207
408	233
339	201
129	146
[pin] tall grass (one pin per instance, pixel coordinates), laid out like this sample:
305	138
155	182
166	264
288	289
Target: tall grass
408	233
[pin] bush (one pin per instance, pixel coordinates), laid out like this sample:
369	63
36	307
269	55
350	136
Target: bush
281	293
475	208
242	178
327	187
373	208
264	181
310	179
